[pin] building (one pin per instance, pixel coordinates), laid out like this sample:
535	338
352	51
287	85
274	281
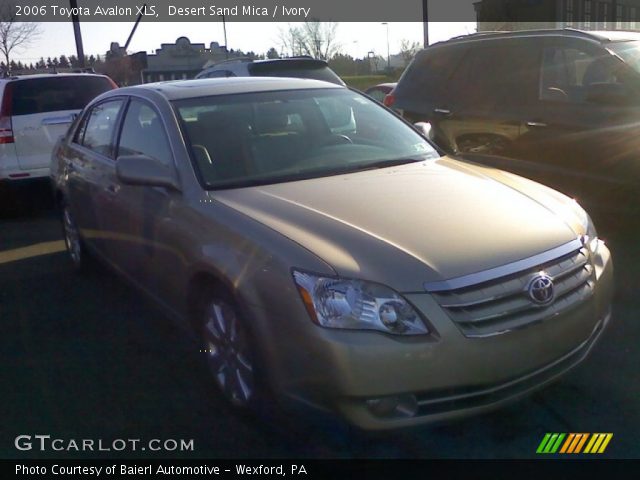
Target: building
182	60
583	14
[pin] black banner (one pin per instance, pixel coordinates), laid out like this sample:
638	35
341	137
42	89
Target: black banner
314	469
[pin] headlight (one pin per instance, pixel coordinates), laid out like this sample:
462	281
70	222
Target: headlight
356	304
590	237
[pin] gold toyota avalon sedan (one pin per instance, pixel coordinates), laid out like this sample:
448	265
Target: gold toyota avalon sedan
324	252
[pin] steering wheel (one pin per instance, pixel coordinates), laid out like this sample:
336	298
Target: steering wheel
337	139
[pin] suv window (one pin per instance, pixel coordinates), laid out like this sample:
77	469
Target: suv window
568	73
423	83
41	95
218	74
497	74
295	69
143	133
96	132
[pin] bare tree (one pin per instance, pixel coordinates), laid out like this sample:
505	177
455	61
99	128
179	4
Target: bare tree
14	35
408	50
317	39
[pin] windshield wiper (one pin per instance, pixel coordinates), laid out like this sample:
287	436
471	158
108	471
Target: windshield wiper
392	162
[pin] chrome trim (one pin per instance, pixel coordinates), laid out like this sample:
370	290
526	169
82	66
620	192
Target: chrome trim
503	270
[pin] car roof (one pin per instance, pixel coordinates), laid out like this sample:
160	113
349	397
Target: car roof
48	75
181	89
594	36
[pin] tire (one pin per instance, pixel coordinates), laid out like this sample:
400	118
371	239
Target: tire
73	242
229	349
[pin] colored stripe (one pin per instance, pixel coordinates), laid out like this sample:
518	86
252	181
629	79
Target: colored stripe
580	445
574	443
558	442
590	444
608	438
601	437
568	442
543	443
550	443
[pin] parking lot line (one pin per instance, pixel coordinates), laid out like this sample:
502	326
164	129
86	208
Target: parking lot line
45	248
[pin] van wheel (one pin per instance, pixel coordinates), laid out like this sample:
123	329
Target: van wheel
229	349
73	241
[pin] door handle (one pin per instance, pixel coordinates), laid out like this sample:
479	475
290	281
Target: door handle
536	124
442	111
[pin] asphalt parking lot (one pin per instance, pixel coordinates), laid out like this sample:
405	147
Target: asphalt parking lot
86	356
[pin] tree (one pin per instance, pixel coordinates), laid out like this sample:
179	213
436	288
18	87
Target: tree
64	62
40	64
14	35
273	53
317	39
408	50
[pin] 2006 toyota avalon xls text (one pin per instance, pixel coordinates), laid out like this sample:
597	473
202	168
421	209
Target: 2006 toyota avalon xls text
324	252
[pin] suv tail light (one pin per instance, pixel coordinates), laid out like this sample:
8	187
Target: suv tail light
6	129
389	100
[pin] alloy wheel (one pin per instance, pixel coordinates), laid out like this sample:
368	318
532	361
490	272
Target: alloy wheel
228	352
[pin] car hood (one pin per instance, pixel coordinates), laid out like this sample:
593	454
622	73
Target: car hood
416	223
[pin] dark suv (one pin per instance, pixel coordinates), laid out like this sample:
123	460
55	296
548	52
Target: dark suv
559	106
297	67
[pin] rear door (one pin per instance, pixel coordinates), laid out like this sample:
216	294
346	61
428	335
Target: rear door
89	168
490	95
42	110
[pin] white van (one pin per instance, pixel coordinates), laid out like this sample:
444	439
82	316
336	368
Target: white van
35	111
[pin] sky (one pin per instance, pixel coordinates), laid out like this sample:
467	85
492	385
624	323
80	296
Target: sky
356	39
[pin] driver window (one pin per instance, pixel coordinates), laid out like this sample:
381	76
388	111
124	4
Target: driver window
143	134
570	75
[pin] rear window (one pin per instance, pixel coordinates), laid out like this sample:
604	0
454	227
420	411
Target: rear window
426	79
41	95
316	71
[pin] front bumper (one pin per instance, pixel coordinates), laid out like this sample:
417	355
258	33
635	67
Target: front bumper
447	374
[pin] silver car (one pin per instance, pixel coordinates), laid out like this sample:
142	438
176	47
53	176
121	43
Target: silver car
323	250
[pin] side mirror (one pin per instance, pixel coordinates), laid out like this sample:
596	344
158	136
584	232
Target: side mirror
424	128
607	94
143	170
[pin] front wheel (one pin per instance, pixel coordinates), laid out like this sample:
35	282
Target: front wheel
229	351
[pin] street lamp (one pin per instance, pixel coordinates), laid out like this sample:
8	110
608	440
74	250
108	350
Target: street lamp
388	56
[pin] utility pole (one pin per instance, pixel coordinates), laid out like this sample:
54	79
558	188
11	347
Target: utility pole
224	28
135	26
425	21
76	32
388	55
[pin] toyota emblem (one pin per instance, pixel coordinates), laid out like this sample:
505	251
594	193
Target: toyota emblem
540	289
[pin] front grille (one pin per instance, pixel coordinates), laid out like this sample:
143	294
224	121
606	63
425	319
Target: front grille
503	304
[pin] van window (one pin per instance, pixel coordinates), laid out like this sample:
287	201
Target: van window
51	94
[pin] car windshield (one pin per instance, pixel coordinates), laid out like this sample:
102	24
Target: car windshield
629	52
271	137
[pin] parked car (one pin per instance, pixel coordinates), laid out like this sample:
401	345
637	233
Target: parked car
558	106
297	67
357	272
380	91
34	111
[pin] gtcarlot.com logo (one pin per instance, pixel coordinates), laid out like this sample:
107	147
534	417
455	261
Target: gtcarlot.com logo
574	443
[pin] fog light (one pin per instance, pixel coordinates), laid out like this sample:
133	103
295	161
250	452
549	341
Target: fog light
398	406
